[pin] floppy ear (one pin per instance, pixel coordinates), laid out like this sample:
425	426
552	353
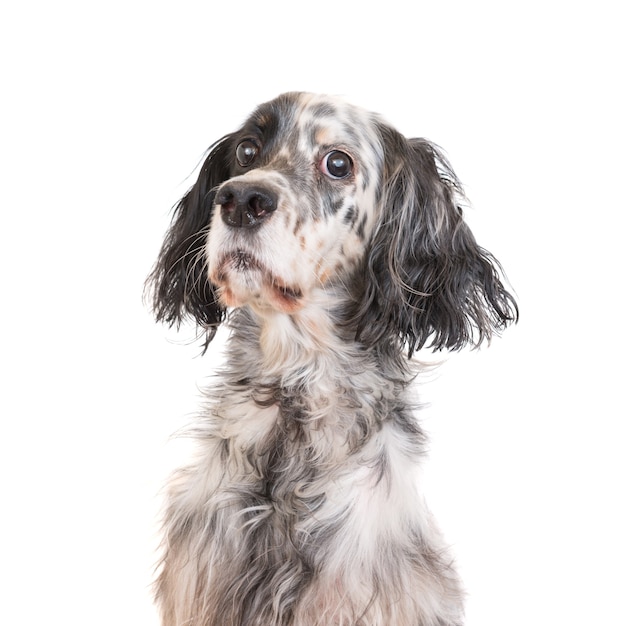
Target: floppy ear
179	284
427	281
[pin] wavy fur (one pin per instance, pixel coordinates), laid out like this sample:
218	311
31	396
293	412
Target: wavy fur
337	247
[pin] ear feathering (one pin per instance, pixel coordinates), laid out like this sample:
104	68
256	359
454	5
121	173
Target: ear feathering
427	281
178	283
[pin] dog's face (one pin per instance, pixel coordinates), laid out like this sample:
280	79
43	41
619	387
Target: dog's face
299	203
312	197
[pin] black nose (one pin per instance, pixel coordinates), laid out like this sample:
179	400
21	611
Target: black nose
244	205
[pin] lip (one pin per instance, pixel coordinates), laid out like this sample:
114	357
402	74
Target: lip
241	273
238	261
289	298
241	261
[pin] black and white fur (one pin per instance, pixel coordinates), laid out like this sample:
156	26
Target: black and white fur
334	248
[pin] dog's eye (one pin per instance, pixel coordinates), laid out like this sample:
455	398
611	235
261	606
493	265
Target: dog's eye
246	153
337	164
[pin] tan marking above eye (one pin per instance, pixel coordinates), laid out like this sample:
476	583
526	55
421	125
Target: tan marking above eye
322	137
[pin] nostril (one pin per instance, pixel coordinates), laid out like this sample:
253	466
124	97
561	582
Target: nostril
228	205
225	198
260	205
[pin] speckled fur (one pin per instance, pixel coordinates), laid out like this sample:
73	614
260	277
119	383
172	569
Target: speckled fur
302	506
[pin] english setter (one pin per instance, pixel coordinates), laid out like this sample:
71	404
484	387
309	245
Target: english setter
335	248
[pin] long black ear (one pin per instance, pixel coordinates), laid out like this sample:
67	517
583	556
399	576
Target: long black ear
427	281
179	284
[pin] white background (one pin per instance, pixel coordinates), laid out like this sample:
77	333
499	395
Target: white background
106	110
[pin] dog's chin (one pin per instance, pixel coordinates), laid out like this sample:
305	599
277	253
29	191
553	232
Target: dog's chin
243	280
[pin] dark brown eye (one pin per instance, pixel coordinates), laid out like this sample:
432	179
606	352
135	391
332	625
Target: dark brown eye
337	164
246	153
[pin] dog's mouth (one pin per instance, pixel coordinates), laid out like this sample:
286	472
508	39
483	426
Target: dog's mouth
241	261
242	279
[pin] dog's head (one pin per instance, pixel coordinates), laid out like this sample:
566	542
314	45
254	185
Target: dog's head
313	195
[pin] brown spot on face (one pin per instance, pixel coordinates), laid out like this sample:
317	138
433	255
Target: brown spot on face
287	217
323	272
265	119
324	276
227	297
298	226
302	241
322	136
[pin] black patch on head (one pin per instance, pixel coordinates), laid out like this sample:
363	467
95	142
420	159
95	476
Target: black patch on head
267	127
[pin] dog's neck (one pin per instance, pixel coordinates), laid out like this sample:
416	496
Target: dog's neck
304	377
311	350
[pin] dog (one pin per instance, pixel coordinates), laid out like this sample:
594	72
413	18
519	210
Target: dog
334	248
